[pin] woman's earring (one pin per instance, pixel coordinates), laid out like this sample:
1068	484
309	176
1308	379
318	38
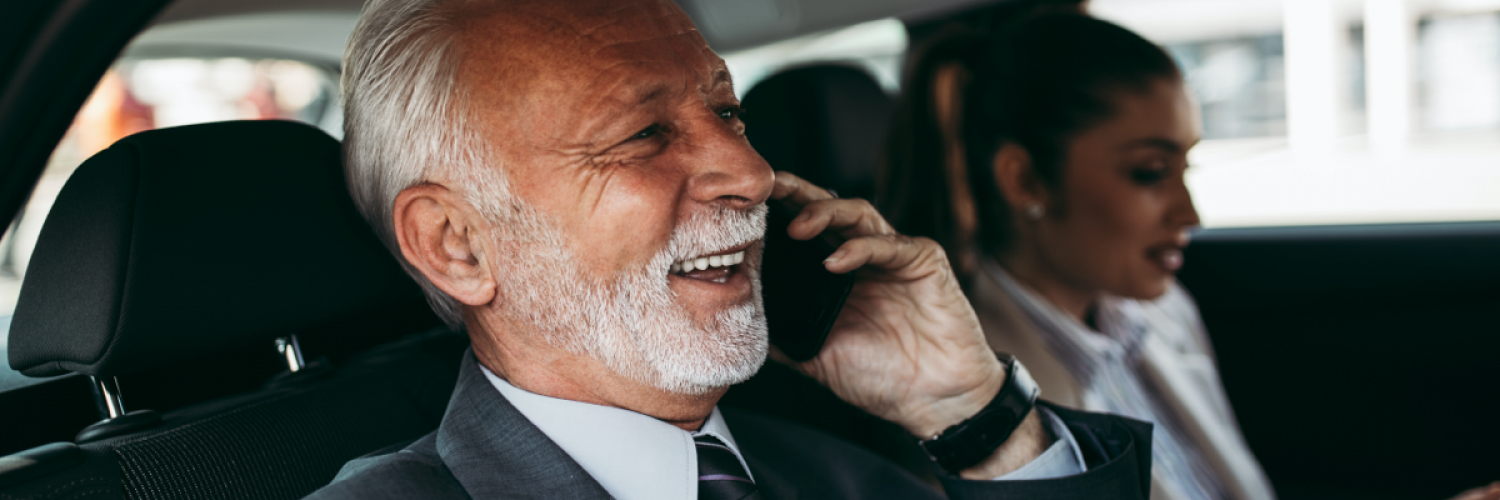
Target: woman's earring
1035	211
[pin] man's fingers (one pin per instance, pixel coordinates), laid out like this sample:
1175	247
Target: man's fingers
887	251
796	191
852	218
1487	492
873	241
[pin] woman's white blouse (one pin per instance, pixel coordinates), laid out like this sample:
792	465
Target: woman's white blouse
1149	360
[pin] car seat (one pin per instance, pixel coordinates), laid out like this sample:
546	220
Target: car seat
178	247
825	122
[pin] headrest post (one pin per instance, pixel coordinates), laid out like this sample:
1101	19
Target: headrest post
107	395
291	349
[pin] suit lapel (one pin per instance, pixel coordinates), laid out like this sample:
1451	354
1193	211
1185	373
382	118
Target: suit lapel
495	452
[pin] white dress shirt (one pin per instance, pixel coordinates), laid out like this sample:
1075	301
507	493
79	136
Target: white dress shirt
634	456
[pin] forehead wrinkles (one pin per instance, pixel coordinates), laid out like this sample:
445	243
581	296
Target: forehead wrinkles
667	68
617	46
632	71
628	22
552	38
574	29
559	53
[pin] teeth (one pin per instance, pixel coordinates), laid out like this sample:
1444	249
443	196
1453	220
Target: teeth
703	263
1172	259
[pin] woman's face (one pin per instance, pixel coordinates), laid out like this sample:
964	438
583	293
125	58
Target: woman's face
1121	218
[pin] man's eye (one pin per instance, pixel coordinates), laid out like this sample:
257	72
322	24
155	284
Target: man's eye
647	133
731	112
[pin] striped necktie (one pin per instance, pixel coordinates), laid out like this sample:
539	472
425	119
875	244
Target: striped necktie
720	475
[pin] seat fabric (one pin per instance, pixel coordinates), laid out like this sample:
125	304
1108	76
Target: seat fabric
274	445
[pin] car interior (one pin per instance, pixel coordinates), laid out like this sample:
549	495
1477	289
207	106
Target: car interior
205	315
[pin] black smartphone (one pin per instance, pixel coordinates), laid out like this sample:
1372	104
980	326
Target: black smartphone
801	297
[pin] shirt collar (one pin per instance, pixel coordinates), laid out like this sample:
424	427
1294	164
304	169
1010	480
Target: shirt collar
1119	318
633	456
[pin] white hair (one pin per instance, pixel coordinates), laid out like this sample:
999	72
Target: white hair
404	118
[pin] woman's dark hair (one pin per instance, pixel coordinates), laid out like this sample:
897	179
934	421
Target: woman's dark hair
1036	83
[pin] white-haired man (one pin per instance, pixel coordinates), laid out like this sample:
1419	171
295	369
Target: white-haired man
570	182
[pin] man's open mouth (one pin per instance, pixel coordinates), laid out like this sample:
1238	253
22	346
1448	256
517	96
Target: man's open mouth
715	268
709	262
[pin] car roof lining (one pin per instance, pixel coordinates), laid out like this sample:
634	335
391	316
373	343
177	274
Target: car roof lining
728	25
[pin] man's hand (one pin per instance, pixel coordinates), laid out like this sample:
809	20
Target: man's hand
907	346
1487	492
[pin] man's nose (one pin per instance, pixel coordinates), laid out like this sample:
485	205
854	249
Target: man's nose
726	170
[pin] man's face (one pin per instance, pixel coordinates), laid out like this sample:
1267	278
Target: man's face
617	129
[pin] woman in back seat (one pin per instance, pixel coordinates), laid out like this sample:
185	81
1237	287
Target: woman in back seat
1047	157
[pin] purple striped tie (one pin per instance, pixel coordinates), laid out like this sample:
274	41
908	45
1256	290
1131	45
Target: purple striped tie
720	475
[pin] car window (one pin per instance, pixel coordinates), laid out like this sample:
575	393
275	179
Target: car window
144	94
876	47
1301	128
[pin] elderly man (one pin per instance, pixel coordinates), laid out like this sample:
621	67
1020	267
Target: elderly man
570	182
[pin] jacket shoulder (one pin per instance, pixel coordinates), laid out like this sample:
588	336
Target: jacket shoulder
414	471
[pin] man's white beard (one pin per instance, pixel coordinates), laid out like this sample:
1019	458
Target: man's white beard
633	323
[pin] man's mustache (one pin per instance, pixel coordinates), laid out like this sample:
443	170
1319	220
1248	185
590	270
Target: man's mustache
714	231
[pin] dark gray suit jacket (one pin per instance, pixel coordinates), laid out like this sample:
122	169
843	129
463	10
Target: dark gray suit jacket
486	449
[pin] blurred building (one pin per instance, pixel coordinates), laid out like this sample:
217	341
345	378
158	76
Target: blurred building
1336	111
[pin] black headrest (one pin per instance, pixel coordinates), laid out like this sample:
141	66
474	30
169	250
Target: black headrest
825	123
177	243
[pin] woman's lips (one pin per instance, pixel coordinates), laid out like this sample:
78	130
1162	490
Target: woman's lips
1168	257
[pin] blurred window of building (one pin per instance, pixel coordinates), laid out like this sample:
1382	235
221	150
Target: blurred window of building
1336	111
145	94
1238	83
1459	61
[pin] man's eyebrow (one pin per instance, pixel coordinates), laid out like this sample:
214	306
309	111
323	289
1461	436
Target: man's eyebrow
721	77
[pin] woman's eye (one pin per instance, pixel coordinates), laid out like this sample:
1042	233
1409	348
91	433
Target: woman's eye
1147	176
730	113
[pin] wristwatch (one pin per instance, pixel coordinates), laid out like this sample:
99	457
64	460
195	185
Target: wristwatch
970	442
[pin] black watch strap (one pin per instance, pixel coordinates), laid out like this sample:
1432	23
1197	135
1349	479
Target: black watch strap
970	442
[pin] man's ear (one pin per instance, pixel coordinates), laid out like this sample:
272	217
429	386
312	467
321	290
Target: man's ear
1018	180
438	236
